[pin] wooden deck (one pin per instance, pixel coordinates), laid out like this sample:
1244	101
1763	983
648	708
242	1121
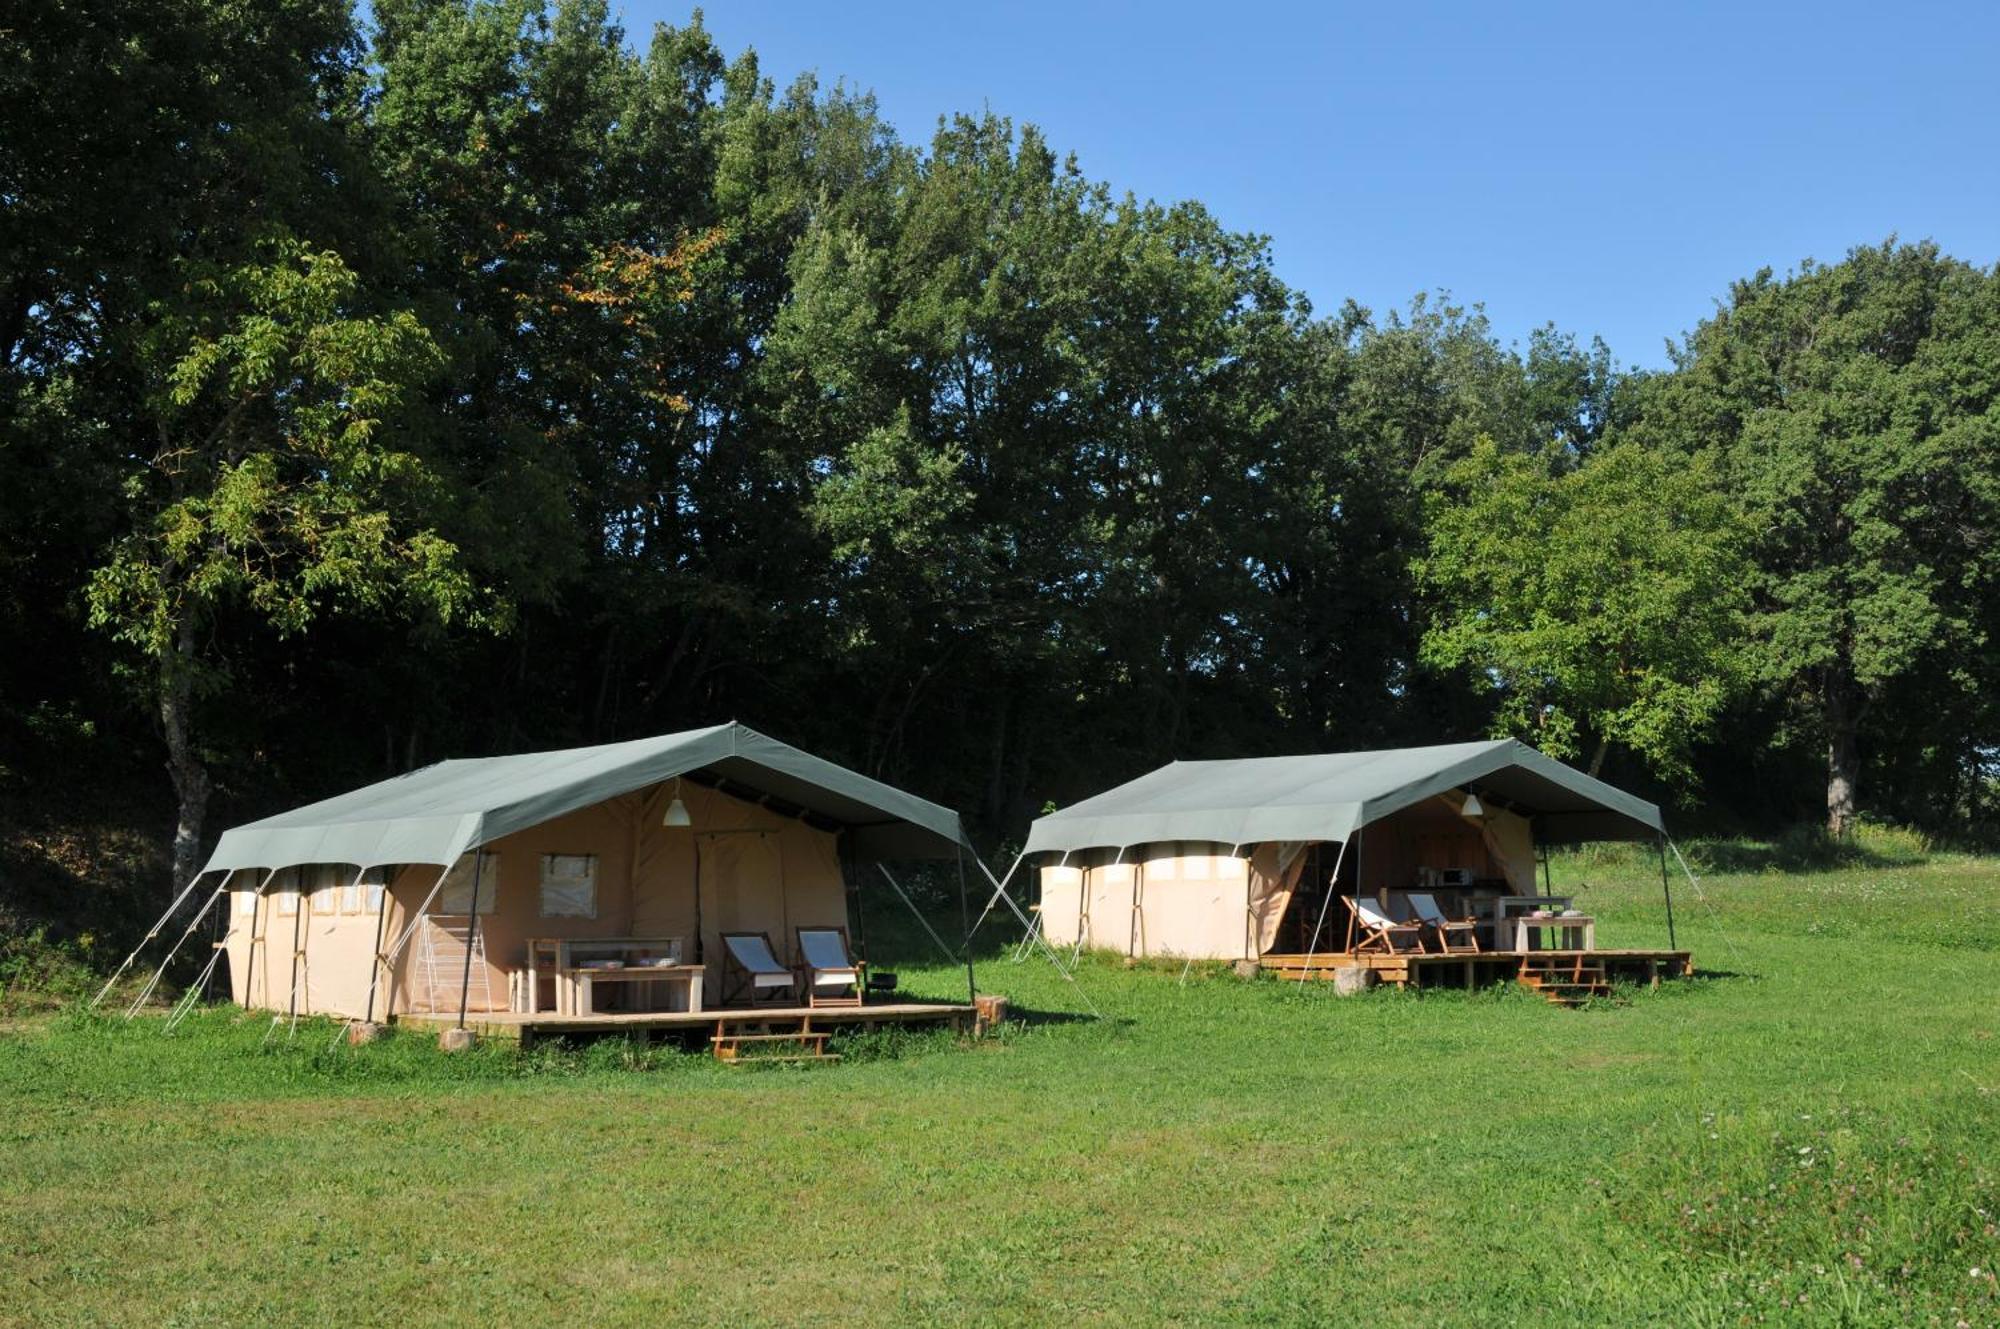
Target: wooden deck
517	1026
1471	969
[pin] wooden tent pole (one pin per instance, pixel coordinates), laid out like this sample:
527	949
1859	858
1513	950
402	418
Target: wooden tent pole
298	922
471	935
250	951
381	929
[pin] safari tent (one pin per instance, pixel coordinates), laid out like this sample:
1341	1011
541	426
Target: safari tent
478	882
1249	859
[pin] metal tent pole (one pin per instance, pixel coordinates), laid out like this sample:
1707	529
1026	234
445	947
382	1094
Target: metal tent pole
965	927
193	923
1312	947
915	912
151	933
389	961
471	935
850	877
1660	843
1035	933
999	889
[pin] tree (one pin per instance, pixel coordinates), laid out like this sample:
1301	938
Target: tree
272	486
1855	409
1600	603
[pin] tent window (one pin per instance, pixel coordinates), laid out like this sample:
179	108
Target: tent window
325	879
569	886
363	896
1228	867
286	894
246	902
1061	877
456	897
1163	869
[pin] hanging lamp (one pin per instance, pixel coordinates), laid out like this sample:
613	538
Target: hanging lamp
677	811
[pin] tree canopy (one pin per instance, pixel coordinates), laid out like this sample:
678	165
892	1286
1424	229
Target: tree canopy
460	376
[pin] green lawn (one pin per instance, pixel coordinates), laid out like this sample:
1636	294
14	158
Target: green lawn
1809	1134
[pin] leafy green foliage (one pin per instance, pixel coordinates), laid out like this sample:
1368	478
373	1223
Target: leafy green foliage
1854	409
275	483
1599	601
573	384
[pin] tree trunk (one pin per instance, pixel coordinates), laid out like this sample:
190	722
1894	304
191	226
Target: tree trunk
191	783
1597	758
1843	761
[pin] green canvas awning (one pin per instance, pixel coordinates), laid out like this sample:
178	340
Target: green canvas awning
1330	795
435	814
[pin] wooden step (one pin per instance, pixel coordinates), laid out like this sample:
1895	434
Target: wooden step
804	1036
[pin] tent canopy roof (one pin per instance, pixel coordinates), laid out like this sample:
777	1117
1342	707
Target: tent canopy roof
1330	795
435	814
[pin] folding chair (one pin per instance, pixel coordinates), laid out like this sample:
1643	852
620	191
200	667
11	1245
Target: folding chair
827	972
1379	931
1431	916
752	973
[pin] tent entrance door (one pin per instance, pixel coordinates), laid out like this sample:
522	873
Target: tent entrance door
1310	903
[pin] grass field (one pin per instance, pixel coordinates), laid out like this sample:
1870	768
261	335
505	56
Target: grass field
1809	1133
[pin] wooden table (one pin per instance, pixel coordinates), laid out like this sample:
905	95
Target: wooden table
1507	908
567	963
583	982
1583	923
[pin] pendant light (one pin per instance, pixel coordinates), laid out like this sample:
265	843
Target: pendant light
1472	807
677	811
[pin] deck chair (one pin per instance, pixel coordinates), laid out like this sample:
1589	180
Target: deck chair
1378	930
752	973
828	973
1429	915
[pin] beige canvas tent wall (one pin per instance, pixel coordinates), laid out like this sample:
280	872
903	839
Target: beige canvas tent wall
1201	859
570	844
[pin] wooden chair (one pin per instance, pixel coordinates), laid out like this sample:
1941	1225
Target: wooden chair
1378	930
752	973
1431	916
828	972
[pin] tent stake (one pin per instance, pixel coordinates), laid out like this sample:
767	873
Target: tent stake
471	935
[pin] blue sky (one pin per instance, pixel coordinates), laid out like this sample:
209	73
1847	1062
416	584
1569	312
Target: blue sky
1610	168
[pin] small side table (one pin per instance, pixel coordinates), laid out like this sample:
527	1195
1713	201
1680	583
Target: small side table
1564	927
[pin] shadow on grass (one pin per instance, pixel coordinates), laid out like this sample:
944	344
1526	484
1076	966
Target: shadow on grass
1809	848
